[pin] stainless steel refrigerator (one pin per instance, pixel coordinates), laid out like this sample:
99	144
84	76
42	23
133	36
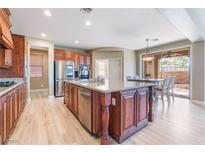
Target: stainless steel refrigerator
63	70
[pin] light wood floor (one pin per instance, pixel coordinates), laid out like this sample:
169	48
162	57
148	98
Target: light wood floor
50	122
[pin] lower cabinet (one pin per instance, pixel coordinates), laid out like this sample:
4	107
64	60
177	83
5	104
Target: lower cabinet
71	97
128	113
11	106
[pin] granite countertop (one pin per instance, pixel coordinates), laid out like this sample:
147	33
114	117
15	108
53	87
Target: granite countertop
5	90
110	86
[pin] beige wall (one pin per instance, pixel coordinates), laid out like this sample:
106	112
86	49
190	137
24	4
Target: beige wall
130	67
40	82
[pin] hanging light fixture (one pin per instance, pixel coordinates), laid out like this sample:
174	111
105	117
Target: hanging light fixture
147	57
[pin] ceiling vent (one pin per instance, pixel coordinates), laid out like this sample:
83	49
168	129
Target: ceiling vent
86	10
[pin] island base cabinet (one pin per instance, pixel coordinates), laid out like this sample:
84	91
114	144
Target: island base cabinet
11	106
128	113
71	97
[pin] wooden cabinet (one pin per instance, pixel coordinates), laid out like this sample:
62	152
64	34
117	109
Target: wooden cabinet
78	58
1	121
129	113
142	97
68	55
75	100
5	118
5	25
17	58
8	57
71	97
11	106
59	54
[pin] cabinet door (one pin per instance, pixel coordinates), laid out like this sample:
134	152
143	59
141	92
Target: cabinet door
81	59
10	109
4	118
60	55
8	57
15	112
7	117
68	55
70	98
75	101
66	93
87	59
21	98
1	122
142	100
128	110
76	59
19	101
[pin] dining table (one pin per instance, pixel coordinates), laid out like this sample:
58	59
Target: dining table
158	82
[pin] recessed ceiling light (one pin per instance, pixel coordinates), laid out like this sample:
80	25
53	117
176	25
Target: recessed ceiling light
76	42
88	23
43	35
47	13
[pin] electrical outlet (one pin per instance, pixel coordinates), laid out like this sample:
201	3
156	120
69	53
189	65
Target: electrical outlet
113	101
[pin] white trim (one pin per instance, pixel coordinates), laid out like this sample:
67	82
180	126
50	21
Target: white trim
198	102
51	97
29	99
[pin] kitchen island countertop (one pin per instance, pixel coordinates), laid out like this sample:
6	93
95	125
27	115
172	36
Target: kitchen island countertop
110	86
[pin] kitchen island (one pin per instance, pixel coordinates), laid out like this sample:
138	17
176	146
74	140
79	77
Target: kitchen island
111	108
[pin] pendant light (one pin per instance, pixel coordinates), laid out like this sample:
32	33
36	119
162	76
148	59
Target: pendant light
147	57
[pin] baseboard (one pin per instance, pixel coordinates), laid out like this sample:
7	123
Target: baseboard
198	102
51	97
29	99
38	90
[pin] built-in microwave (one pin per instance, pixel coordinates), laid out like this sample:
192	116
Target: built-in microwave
84	72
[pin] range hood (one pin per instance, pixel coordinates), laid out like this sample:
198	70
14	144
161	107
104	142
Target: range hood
5	25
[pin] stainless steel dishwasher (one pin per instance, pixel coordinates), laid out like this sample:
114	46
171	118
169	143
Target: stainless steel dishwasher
84	108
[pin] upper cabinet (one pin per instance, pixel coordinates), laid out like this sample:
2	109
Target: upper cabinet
6	42
5	33
16	58
77	57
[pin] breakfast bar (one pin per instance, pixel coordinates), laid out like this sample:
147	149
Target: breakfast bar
111	108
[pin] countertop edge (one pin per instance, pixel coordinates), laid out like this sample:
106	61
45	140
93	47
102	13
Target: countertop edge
108	91
8	89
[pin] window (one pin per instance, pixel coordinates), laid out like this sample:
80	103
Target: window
36	65
173	64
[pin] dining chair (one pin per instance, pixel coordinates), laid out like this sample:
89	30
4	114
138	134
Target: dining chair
135	77
164	89
171	86
129	77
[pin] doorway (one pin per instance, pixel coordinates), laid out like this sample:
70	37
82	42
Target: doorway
38	70
174	63
110	69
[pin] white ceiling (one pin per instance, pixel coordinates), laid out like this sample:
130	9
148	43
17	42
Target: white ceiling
126	28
